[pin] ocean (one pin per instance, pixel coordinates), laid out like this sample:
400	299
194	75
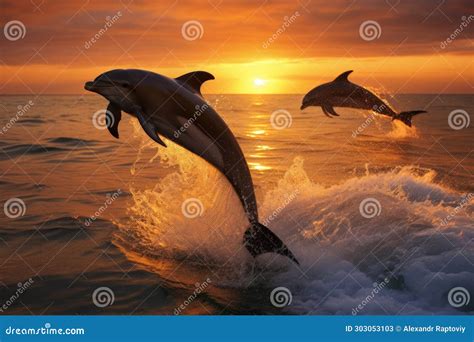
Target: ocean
379	215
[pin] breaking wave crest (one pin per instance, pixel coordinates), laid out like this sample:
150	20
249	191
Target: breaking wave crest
418	243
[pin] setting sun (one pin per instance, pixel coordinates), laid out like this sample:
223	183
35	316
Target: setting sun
259	82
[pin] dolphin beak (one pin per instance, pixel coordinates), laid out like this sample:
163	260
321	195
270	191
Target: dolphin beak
89	86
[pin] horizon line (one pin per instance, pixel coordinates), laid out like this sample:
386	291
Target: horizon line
88	94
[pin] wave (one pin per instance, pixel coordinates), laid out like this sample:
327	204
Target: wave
414	235
58	228
22	186
14	151
32	121
412	241
53	146
71	141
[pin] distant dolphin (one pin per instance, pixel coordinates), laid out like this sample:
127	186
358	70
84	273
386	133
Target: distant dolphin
175	109
343	93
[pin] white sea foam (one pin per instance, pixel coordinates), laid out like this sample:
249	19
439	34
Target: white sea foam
343	254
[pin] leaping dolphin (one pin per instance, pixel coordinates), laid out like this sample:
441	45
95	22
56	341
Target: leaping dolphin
175	109
343	93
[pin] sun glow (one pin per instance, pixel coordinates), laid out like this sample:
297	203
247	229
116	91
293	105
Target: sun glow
258	82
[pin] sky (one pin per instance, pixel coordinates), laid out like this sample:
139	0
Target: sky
393	46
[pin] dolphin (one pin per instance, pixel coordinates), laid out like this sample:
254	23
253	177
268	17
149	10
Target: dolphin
343	93
176	110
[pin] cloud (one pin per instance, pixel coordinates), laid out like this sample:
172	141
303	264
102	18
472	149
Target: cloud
149	33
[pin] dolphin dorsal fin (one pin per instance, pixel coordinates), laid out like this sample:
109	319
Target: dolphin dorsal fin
343	77
194	80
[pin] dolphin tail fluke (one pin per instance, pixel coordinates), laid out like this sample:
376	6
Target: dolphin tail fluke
258	239
406	117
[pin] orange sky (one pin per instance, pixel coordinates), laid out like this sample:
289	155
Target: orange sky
287	46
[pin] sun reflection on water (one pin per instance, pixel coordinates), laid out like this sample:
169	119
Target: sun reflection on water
256	132
263	148
258	166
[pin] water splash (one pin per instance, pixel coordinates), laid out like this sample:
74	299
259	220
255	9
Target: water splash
342	253
159	222
398	129
402	131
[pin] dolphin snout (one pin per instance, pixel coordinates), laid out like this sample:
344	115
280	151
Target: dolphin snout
89	86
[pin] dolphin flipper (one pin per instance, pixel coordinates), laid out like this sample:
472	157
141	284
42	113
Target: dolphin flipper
331	110
258	239
113	117
149	128
325	112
